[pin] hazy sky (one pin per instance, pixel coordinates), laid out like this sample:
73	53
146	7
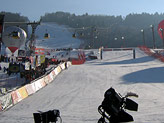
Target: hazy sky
33	9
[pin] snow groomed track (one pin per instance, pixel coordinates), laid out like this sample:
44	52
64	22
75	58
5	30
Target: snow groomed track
79	90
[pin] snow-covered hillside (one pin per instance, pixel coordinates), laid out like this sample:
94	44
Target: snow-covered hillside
60	36
78	91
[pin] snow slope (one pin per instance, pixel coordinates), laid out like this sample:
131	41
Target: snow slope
79	90
60	36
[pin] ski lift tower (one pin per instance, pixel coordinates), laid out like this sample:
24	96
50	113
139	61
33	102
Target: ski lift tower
32	38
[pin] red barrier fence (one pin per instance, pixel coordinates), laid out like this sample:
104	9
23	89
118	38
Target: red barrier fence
80	60
150	52
146	50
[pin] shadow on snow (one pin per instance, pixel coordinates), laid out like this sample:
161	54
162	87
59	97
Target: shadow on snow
151	75
129	61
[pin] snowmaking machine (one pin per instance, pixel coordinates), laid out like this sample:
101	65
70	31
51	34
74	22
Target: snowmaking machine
114	105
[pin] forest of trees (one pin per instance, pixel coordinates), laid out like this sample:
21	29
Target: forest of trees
15	17
104	30
111	31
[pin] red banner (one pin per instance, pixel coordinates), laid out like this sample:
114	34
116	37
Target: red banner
161	29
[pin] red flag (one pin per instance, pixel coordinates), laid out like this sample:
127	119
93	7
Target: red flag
161	29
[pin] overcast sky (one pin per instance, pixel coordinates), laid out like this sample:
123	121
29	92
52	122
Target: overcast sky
33	9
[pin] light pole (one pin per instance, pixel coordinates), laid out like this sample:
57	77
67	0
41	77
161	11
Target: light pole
162	36
94	30
152	27
1	29
143	36
123	41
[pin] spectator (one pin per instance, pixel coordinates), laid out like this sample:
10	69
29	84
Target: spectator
4	69
65	65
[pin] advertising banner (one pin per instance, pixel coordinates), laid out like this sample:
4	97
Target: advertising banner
42	82
59	69
16	97
6	101
62	66
46	80
30	89
38	85
23	92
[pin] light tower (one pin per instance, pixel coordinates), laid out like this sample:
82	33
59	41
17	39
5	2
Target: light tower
152	27
1	28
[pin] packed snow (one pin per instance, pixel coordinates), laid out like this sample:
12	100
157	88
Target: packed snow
78	91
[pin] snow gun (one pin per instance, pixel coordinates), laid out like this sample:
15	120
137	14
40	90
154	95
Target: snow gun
114	105
51	116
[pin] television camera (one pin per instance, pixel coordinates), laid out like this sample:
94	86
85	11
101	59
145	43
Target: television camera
113	107
51	116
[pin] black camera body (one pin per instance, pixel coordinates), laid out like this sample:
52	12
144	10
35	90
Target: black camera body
113	107
47	117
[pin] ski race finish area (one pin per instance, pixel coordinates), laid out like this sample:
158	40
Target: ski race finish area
79	90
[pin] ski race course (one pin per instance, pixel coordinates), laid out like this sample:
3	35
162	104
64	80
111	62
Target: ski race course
79	90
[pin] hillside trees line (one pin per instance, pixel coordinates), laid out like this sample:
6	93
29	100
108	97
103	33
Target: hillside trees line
110	31
104	30
15	17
